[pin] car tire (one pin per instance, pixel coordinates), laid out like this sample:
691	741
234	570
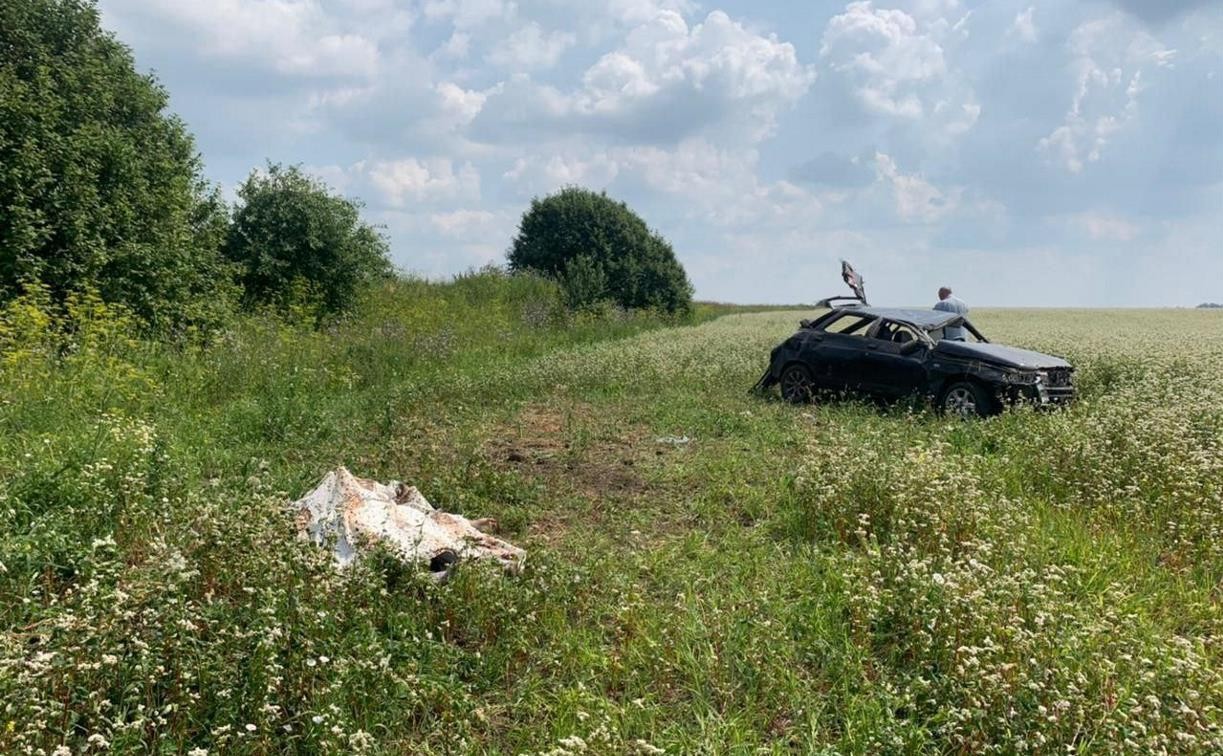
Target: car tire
797	385
966	399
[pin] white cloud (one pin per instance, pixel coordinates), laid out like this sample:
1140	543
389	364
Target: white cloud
1110	57
1024	27
957	120
897	66
465	14
1164	58
1106	227
935	8
456	48
716	186
719	185
529	48
539	174
916	198
695	168
462	223
886	53
668	80
334	176
401	181
638	11
718	61
346	54
291	37
460	103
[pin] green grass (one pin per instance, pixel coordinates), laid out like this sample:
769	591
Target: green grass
831	578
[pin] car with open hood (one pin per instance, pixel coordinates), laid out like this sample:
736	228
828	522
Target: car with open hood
897	353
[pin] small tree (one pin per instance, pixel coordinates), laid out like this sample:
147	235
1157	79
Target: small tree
599	248
293	239
584	283
100	189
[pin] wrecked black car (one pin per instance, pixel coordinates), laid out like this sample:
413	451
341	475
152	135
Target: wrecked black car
897	353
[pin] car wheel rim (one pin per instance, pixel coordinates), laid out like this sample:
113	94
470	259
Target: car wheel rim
960	401
795	386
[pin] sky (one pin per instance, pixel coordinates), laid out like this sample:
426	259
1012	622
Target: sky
1025	153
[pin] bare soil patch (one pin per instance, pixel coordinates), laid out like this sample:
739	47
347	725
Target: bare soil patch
571	446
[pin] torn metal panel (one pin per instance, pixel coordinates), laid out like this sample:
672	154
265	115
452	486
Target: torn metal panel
347	514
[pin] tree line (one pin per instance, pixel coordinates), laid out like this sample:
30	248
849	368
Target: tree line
101	189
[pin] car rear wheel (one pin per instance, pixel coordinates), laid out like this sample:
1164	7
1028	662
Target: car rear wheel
966	399
797	385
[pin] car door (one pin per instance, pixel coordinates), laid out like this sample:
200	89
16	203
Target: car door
887	367
837	350
841	359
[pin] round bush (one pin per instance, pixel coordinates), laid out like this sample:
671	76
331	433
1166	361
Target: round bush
599	249
298	245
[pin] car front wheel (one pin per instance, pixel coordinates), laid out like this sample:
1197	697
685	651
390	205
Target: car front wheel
797	386
965	399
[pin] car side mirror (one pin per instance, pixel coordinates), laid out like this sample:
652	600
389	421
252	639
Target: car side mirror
911	347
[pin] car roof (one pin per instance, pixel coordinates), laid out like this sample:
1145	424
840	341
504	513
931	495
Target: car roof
924	319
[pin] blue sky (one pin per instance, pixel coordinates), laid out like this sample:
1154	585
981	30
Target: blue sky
1039	153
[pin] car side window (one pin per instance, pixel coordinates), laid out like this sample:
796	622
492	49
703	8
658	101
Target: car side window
896	333
849	324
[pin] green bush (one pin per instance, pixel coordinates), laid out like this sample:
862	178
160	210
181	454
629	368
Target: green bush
584	282
298	245
100	188
600	249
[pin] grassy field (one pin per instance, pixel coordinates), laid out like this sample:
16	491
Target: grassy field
833	578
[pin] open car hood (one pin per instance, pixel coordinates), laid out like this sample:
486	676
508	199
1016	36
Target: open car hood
999	354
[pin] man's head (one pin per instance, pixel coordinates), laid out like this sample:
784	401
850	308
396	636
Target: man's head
943	293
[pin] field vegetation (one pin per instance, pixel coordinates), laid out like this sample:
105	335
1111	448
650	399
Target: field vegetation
831	578
709	572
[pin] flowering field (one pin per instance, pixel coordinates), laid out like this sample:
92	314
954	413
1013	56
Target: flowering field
709	572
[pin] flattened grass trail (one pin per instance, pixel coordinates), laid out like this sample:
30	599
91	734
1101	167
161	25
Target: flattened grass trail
828	578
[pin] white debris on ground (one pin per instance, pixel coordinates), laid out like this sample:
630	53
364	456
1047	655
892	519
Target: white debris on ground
348	513
673	440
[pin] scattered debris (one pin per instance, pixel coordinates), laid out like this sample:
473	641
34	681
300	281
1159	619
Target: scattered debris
674	440
348	513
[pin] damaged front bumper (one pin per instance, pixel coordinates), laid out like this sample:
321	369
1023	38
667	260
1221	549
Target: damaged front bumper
1048	397
1042	388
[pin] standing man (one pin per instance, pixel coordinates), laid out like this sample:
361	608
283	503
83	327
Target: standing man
948	303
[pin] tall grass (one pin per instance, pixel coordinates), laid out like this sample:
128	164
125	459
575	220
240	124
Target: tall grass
148	587
826	578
